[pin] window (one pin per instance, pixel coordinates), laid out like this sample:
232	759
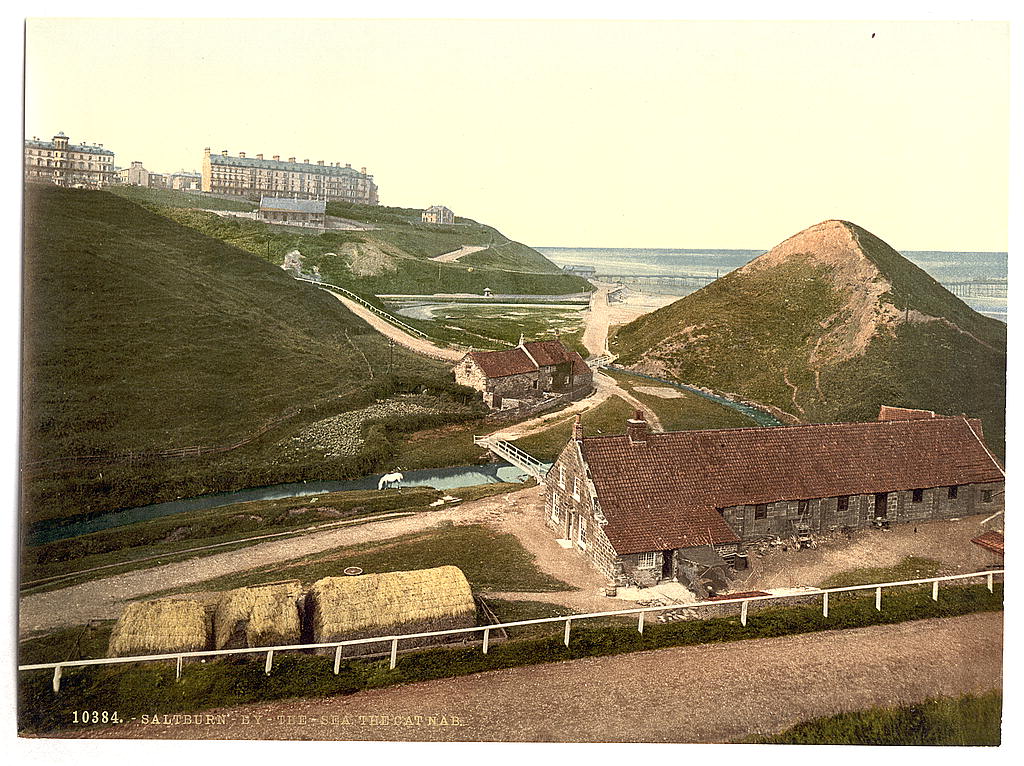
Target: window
583	533
843	503
554	507
647	560
917	496
561	476
986	496
952	492
761	511
576	487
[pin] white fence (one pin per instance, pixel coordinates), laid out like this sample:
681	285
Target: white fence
517	457
485	630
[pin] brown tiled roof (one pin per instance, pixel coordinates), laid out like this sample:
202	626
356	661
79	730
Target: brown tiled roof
515	361
991	540
903	413
665	492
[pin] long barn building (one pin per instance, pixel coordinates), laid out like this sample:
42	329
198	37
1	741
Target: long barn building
645	507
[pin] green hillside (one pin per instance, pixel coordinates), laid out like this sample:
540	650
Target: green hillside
144	335
828	326
393	257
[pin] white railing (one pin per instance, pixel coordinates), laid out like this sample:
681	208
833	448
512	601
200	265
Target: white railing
367	305
514	455
485	630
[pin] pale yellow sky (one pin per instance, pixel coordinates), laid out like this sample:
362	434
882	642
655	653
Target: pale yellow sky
613	134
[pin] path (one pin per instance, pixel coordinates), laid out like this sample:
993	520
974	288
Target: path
105	598
399	336
454	255
705	693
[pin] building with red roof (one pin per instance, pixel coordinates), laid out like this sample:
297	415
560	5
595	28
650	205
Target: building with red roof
524	374
646	506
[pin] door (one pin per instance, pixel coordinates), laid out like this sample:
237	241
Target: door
667	559
881	505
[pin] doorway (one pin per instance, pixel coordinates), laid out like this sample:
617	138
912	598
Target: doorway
667	565
881	505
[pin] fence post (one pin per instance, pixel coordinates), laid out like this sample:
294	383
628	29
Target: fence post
990	582
56	679
640	623
878	599
568	626
177	669
337	660
394	653
270	662
935	591
824	605
487	636
743	613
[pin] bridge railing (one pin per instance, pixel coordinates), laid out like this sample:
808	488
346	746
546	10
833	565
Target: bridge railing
485	630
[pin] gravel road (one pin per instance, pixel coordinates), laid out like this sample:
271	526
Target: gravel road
707	693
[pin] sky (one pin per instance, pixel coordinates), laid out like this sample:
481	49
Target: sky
571	133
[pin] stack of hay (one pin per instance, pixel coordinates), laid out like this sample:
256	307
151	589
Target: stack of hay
424	600
163	626
267	615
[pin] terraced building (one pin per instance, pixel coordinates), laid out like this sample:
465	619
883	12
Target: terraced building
254	177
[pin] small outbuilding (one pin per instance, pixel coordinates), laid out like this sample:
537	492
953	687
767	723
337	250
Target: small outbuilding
423	600
309	213
160	627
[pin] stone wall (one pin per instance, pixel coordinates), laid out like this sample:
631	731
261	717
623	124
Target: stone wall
902	507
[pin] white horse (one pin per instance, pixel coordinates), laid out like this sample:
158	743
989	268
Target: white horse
390	481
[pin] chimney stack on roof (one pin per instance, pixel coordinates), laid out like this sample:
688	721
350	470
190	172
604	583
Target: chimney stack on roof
259	156
319	162
637	429
277	157
242	155
577	429
363	171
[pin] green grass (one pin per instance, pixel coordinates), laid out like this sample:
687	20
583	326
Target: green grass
685	413
167	338
968	721
910	568
148	689
490	560
605	419
172	198
749	331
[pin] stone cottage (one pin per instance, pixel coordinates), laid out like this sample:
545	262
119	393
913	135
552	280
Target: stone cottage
528	373
645	507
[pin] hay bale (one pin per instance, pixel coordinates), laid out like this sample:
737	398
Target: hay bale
160	627
344	608
266	615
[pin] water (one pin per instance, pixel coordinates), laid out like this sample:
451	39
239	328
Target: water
944	266
439	478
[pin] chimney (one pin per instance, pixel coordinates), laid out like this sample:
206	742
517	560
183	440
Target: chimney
259	156
319	162
577	429
241	155
306	161
637	428
291	159
363	171
224	152
348	164
206	151
277	157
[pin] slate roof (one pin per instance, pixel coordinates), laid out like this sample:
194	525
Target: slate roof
288	205
665	493
298	167
991	541
88	148
515	361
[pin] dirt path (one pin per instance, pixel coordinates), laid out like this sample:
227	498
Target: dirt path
105	598
596	320
706	693
454	255
402	338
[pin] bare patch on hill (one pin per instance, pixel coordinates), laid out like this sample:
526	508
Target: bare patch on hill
916	317
365	259
848	332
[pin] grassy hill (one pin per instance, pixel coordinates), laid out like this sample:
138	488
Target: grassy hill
393	257
143	335
827	326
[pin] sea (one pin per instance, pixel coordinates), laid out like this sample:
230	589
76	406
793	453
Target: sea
987	270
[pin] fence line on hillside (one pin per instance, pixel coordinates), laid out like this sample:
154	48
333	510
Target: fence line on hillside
390	318
393	640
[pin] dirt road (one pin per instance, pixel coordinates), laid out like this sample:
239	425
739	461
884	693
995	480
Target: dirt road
454	255
399	336
706	693
105	598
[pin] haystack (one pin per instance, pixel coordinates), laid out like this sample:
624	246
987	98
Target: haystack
267	615
160	627
344	608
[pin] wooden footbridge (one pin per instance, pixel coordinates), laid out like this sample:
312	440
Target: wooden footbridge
510	453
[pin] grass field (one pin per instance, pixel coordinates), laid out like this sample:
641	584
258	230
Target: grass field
172	198
968	721
910	568
607	418
682	413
